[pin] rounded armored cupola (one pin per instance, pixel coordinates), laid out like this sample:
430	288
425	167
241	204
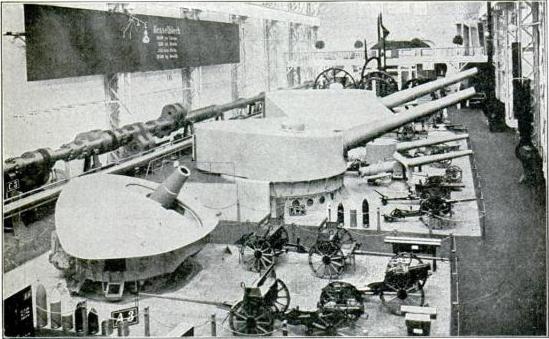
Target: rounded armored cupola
380	149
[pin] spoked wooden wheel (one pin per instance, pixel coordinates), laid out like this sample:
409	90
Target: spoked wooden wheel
278	297
385	84
251	319
401	288
326	260
334	75
343	236
394	298
279	239
454	173
342	296
327	323
435	206
257	254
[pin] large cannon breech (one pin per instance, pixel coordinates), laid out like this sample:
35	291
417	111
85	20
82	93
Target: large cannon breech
407	95
368	132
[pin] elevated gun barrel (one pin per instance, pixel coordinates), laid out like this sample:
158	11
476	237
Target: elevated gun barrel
167	192
427	159
407	95
389	166
213	111
367	132
403	146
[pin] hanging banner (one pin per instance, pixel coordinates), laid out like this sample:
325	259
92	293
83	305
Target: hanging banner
66	42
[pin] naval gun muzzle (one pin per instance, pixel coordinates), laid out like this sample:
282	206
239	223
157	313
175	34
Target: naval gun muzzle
404	96
369	131
166	193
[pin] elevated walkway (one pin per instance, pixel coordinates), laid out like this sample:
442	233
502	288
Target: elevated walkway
398	57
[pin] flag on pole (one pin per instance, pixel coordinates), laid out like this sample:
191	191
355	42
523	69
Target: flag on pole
383	29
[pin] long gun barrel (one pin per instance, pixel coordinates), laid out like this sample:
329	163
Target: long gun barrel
407	95
388	166
167	192
214	111
368	132
33	168
404	146
427	159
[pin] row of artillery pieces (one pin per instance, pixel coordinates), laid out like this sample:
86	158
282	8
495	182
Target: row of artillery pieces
433	196
340	303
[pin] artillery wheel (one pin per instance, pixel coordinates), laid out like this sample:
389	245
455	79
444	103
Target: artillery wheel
402	292
339	235
327	323
415	82
454	173
334	75
344	296
436	206
257	254
385	83
251	319
279	239
326	260
278	297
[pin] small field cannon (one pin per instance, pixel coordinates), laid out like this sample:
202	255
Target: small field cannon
405	277
435	206
257	313
259	251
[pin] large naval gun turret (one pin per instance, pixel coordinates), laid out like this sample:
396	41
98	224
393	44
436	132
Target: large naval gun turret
305	134
118	230
299	149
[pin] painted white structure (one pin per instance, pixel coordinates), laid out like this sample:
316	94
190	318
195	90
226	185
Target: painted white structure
298	148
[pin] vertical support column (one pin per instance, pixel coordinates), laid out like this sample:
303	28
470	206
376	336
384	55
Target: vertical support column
186	72
112	105
293	41
536	95
239	70
191	76
213	325
146	320
270	39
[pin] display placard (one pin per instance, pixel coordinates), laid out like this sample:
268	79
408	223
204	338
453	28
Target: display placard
18	320
67	42
130	315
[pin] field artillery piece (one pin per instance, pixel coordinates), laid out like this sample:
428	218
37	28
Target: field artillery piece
436	186
386	199
256	313
259	251
328	256
333	249
405	277
434	206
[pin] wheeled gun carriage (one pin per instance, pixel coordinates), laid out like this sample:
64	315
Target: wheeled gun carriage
405	277
257	312
436	185
328	256
386	199
332	252
259	251
434	206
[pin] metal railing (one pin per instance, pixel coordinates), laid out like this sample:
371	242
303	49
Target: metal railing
446	52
